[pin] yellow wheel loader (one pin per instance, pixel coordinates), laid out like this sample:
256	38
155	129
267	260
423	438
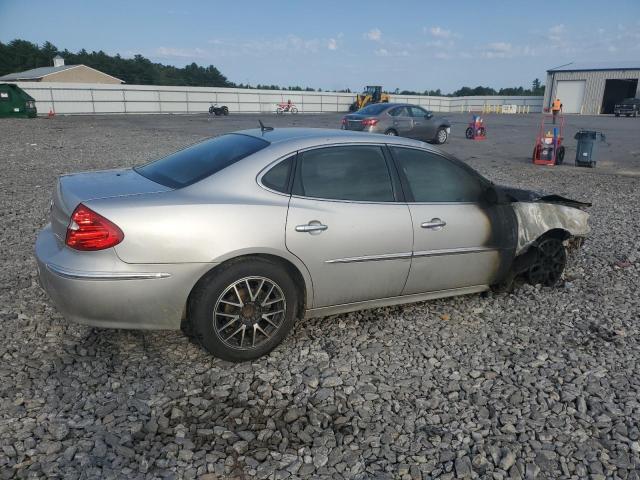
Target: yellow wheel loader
371	94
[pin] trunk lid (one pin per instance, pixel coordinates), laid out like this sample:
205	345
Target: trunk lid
76	188
354	121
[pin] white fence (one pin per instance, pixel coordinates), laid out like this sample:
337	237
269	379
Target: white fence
83	98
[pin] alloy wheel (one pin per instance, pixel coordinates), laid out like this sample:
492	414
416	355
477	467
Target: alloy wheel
249	312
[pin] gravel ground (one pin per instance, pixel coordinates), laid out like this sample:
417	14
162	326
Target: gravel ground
539	383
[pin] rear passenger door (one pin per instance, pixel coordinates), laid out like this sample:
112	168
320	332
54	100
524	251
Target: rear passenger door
346	225
422	126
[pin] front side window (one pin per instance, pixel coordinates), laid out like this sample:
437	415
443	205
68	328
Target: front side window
399	112
356	173
418	112
432	178
201	160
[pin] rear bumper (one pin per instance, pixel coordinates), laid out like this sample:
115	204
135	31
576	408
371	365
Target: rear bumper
98	289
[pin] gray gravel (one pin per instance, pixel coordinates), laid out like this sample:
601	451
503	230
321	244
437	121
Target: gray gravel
540	383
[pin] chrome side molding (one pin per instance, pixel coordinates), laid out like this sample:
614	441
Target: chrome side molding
371	258
78	275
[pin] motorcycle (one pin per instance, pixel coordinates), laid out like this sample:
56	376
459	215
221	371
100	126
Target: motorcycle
214	109
285	107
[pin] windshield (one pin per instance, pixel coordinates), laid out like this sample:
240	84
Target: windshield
375	109
201	160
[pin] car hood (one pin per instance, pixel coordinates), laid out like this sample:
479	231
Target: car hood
507	194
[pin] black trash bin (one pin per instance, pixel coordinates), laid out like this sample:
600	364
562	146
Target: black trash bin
586	151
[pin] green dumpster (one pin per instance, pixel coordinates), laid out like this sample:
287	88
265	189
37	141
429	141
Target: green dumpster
15	102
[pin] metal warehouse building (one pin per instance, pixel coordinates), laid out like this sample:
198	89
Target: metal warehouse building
592	88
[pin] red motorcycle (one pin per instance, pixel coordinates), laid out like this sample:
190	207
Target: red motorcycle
286	107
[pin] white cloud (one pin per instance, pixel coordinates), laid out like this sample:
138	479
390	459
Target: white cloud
374	35
172	52
287	44
439	32
382	52
507	50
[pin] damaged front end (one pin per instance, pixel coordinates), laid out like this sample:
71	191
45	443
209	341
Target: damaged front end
539	214
548	226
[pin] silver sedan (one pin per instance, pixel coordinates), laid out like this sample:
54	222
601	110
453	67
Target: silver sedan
236	237
405	120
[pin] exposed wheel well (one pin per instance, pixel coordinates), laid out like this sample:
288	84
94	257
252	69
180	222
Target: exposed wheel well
297	277
527	257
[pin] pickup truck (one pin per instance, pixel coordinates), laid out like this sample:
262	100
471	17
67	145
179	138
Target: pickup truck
628	107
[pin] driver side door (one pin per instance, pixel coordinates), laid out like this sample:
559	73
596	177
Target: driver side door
401	121
423	124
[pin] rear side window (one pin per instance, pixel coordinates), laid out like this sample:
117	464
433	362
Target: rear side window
373	109
278	177
432	178
201	160
356	173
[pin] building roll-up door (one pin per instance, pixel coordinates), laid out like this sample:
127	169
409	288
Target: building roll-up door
571	94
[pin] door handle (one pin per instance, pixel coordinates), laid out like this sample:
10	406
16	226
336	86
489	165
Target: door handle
314	227
434	224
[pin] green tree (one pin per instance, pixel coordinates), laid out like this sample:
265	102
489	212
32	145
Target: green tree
20	55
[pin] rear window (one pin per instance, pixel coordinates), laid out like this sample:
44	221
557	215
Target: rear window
373	109
201	160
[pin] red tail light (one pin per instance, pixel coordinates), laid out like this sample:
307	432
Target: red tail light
369	122
89	231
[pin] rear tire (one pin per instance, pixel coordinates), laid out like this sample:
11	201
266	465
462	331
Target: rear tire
441	136
469	133
225	111
294	110
228	304
391	132
279	111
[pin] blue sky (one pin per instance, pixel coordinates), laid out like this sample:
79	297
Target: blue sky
413	45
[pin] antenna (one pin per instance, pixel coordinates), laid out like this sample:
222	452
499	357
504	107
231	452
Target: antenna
263	128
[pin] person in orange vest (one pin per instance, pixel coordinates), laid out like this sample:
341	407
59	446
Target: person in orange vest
556	107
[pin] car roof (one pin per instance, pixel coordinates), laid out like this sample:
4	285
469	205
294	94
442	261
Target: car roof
319	136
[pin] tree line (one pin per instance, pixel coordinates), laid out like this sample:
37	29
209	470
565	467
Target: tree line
20	55
537	90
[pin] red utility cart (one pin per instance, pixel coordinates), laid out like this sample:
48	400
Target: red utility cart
476	129
548	149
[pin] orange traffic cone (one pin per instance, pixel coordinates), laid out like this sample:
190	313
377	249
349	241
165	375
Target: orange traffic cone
51	113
